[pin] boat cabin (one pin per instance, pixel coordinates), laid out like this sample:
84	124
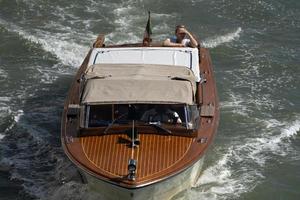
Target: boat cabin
150	86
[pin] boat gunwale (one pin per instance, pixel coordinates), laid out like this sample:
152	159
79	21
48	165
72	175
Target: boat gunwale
192	160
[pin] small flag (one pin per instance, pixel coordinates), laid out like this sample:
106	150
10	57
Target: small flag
148	27
147	35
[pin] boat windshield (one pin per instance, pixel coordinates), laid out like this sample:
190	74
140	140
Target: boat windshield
120	114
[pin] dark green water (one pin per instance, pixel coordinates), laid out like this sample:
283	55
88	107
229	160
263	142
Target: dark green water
255	47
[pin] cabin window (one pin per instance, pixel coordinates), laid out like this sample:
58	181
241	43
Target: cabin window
103	115
99	115
192	116
164	113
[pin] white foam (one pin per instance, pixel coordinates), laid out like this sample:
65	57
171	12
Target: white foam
48	76
18	115
4	112
236	105
62	45
241	166
126	16
219	179
130	26
208	176
4	108
3	74
69	52
290	131
218	40
5	99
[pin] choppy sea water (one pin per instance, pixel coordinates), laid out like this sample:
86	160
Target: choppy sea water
255	48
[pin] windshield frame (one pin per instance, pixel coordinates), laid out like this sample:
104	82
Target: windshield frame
114	121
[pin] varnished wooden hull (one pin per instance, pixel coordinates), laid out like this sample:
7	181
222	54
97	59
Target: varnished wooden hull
167	163
163	190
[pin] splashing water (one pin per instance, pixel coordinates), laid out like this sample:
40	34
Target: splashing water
219	40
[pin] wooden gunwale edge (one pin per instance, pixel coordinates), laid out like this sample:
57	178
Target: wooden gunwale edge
167	175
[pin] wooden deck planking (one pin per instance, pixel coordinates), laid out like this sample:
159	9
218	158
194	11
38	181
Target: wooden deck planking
155	154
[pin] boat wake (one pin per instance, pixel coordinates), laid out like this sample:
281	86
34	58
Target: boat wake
219	40
3	74
241	167
69	52
128	25
8	118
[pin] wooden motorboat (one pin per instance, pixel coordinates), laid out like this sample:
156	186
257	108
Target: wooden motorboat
139	118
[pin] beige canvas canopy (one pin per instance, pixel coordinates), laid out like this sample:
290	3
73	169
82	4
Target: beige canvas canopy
138	83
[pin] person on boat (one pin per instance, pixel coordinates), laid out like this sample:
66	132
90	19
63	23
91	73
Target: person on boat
161	113
182	38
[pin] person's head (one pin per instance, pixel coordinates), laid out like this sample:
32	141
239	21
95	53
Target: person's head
180	32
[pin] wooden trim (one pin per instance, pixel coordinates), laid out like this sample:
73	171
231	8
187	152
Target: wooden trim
159	156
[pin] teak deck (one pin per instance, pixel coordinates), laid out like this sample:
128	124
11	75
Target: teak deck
158	156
